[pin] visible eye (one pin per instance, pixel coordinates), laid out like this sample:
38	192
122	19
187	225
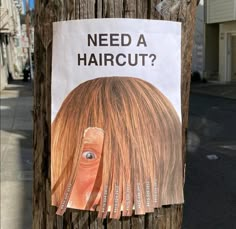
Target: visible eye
89	155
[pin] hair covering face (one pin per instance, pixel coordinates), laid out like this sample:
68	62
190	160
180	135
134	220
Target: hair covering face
140	160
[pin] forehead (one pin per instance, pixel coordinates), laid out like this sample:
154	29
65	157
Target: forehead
93	135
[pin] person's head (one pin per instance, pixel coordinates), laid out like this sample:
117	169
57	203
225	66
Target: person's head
141	160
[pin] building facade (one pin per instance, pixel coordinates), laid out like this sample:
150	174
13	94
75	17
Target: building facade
198	45
220	40
10	40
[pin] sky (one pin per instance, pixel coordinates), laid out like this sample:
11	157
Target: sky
31	4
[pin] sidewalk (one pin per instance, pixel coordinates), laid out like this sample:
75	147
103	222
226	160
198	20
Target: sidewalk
215	89
16	156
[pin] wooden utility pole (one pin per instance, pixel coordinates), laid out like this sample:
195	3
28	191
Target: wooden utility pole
46	12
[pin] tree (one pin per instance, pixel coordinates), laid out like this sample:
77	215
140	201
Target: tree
48	11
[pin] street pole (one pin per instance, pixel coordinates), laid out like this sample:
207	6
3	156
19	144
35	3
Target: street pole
44	217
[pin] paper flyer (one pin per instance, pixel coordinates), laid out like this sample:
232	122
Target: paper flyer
116	116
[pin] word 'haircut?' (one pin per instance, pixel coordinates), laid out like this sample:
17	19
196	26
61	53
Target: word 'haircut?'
141	162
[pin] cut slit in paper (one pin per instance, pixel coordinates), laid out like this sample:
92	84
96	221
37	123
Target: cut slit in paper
83	190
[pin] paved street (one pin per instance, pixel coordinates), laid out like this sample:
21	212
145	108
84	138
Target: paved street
16	156
210	190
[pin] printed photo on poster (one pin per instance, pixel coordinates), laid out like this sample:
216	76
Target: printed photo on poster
116	116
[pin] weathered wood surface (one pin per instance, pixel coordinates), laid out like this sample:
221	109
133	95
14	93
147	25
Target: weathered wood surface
48	11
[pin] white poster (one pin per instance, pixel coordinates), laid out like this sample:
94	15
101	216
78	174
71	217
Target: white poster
116	115
87	49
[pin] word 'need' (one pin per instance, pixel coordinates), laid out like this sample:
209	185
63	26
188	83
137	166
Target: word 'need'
114	39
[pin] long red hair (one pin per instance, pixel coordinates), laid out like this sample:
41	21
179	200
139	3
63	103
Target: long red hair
142	156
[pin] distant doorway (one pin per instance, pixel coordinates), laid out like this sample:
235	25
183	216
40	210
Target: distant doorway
231	57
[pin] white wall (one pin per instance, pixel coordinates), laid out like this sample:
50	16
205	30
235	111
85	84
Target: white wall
226	30
3	64
198	46
221	10
3	77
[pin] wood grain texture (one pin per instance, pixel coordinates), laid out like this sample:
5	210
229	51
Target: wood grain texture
46	12
152	13
130	8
